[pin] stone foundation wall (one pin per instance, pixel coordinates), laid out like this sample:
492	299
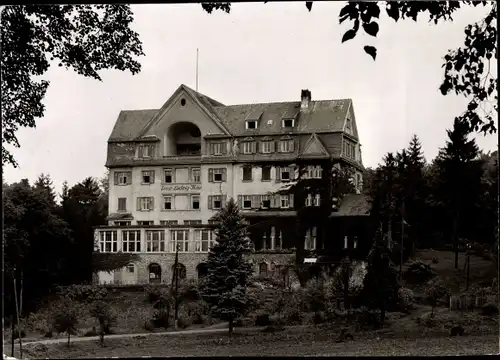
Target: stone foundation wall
191	262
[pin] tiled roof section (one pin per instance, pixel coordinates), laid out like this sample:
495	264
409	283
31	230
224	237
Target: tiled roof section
354	205
322	116
130	123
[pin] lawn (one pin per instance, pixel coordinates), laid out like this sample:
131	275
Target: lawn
288	343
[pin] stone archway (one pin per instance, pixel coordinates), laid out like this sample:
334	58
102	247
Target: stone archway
183	139
154	273
263	269
202	270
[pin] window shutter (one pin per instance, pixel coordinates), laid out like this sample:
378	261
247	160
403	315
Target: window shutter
254	146
255	202
291	146
291	171
224	200
223	148
138	204
152	203
277	200
240	201
211	148
129	177
261	146
272	201
278	173
152	176
210	202
273	146
116	178
290	199
224	174
210	175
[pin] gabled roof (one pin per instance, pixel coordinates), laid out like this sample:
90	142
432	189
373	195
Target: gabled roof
322	116
314	146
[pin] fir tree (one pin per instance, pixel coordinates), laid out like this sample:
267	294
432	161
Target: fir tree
459	185
225	285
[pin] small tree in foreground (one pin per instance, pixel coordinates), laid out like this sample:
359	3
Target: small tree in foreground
66	318
435	290
225	286
101	311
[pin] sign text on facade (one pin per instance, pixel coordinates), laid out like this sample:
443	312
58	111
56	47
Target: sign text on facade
181	188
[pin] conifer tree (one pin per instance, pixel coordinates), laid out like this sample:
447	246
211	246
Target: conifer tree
225	286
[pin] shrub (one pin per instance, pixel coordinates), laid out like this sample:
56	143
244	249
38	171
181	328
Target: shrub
183	322
87	293
406	299
262	320
101	311
154	293
419	272
489	309
66	318
434	291
365	318
315	298
92	332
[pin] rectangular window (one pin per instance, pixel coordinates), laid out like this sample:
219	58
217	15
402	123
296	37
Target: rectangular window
288	123
216	148
284	201
308	201
123	178
179	240
247	201
195	202
168	222
266	173
310	240
181	175
155	241
247	173
145	151
217	175
145	223
266	202
122	204
317	199
167	202
266	147
203	240
168	178
192	222
123	223
249	147
314	172
195	175
216	202
251	124
108	241
131	241
148	177
286	146
145	203
285	174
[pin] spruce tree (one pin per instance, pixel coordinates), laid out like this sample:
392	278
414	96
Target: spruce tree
225	286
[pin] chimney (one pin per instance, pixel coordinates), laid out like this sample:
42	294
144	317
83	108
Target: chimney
305	99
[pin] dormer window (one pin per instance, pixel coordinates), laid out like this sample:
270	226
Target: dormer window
288	123
145	151
251	124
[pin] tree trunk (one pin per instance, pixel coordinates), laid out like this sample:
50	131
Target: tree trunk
382	316
18	318
69	335
455	238
231	327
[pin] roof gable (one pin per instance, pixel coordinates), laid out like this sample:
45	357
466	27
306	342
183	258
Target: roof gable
314	146
204	103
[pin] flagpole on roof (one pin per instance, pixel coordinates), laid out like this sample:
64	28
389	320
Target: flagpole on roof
197	69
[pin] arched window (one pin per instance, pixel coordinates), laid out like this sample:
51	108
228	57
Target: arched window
181	271
131	268
202	270
154	273
263	269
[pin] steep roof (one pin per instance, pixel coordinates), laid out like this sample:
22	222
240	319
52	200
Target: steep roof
321	116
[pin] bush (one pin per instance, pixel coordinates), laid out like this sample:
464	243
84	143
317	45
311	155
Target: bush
83	293
155	293
183	322
66	318
262	320
406	299
489	309
196	311
419	272
434	291
103	313
92	332
365	318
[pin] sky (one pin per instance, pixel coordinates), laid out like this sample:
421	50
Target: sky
257	53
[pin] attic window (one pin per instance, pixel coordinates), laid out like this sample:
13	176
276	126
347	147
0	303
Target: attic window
288	123
183	102
251	124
